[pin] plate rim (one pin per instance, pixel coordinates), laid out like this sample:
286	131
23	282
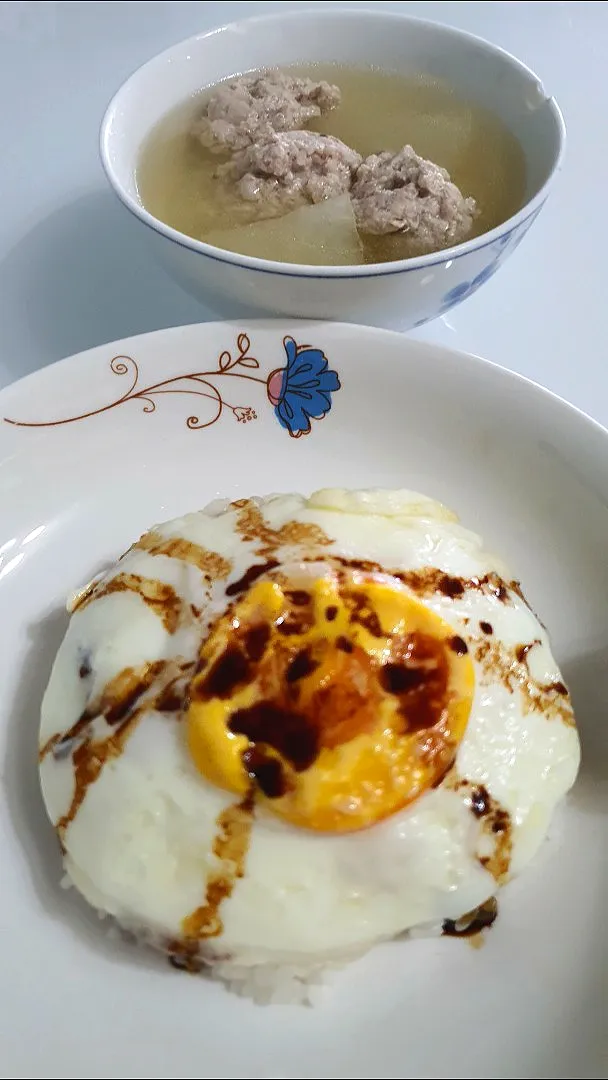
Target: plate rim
496	370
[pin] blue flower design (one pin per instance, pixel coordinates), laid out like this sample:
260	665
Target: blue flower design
301	391
467	288
503	240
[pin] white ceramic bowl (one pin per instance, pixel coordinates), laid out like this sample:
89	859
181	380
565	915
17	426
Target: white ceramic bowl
399	294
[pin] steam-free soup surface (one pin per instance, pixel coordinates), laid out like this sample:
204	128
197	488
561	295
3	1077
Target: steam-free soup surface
379	111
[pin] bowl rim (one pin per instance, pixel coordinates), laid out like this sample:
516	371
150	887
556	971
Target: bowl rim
302	270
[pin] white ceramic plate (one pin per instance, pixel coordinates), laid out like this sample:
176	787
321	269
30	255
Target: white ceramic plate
149	428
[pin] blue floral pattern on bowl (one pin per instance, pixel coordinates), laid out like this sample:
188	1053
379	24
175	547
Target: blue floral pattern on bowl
498	251
467	288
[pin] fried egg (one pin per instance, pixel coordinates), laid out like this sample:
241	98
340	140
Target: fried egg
280	730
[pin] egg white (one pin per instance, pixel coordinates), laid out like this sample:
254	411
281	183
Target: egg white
141	845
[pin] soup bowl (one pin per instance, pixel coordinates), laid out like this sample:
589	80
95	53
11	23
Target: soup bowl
400	294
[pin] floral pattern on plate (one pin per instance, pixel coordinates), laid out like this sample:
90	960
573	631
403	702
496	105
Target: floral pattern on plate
300	391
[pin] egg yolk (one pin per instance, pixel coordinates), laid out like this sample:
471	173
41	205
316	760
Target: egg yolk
340	703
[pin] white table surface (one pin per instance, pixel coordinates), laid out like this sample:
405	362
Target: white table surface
74	268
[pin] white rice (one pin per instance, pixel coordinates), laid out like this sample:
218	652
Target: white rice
275	984
263	982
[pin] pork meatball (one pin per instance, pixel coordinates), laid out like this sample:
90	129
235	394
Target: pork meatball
405	193
252	107
291	168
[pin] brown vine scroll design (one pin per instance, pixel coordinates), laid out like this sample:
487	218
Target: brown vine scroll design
195	383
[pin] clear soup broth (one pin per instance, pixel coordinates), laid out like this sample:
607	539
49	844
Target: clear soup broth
379	111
